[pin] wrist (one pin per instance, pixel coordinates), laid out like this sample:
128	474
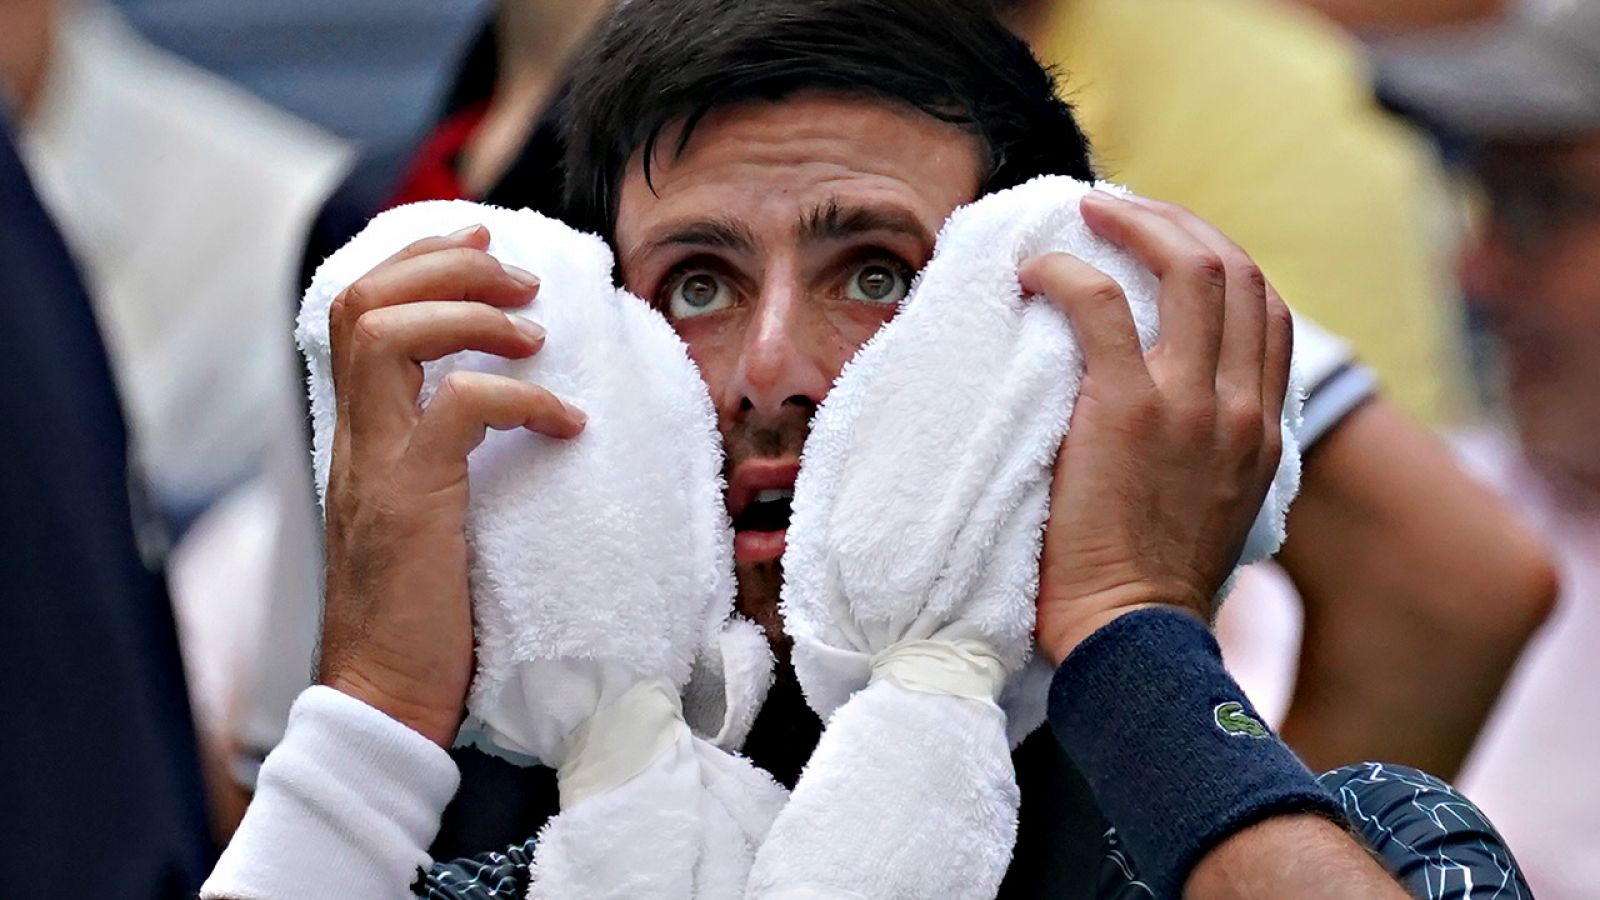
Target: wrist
432	722
1067	617
1174	754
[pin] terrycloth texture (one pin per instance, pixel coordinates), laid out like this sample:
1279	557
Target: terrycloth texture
601	573
918	515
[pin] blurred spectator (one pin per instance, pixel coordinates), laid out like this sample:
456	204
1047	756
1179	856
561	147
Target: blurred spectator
184	202
99	747
1528	98
1258	116
487	143
1389	16
1522	102
1529	74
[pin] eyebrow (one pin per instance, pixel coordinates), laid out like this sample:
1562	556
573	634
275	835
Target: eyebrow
833	221
826	221
726	234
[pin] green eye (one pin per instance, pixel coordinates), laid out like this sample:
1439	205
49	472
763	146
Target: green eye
696	293
878	283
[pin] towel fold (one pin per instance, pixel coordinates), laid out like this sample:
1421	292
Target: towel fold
912	561
601	574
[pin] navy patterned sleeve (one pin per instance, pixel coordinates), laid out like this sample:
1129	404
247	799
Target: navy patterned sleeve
1426	833
1430	837
488	875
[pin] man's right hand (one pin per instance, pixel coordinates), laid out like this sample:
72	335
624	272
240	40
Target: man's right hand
397	628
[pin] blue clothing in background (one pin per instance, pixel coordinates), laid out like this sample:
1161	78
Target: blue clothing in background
99	752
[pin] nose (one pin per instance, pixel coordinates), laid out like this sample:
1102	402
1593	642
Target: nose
780	365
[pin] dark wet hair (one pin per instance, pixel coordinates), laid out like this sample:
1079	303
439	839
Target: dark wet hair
657	63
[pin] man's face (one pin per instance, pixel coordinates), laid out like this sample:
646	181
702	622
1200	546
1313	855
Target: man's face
1534	276
777	243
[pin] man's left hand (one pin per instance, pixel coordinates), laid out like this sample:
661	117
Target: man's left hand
1170	453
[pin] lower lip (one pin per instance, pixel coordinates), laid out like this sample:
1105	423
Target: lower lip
758	546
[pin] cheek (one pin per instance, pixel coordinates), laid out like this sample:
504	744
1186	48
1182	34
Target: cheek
714	347
847	327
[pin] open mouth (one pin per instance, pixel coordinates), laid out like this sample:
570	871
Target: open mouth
769	510
760	502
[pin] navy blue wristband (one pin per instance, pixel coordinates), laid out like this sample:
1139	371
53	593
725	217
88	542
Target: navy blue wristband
1174	753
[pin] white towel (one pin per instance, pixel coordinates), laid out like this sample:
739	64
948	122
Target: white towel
912	563
601	574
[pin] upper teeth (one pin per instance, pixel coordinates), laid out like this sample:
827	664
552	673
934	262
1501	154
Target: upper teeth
772	495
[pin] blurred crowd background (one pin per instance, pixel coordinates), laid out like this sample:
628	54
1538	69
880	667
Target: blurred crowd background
1420	177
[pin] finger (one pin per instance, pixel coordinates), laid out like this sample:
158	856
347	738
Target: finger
1277	357
1193	280
1098	310
1244	320
389	345
476	236
448	273
468	403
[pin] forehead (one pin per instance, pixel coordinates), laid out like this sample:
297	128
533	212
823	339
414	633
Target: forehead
760	163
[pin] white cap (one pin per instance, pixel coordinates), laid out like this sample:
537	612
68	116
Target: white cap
1535	73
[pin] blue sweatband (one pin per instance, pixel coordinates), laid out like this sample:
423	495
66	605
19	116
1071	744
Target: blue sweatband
1176	756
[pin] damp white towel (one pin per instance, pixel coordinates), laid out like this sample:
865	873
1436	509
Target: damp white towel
912	562
601	574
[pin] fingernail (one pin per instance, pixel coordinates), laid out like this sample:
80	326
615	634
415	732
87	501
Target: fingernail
533	330
521	276
578	415
458	235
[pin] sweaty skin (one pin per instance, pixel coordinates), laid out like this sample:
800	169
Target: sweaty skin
738	205
777	243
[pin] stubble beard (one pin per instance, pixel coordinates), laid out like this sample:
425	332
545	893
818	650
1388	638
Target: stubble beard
786	730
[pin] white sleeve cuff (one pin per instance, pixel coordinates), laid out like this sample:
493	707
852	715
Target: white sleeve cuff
1336	385
345	808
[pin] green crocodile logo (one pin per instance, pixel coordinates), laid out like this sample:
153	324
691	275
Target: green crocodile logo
1235	722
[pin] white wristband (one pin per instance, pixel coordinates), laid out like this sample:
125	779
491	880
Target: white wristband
345	808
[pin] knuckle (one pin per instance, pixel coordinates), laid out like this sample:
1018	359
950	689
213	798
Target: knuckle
1205	269
1144	406
474	261
1050	272
351	301
490	320
1196	417
1102	289
1241	421
458	386
1251	276
418	247
1272	446
539	401
1279	318
370	330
